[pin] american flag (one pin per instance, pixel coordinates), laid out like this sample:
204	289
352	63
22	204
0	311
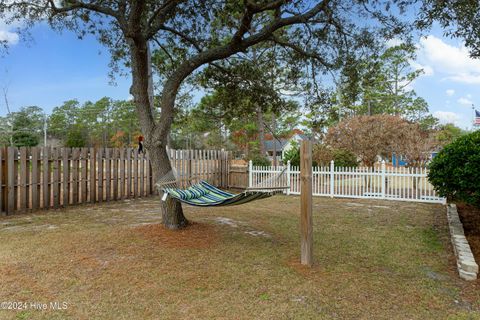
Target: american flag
477	118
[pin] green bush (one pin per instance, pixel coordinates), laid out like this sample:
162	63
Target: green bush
344	158
323	154
455	171
75	139
25	139
258	160
292	154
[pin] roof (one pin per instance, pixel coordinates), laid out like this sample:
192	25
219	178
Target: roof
269	144
301	135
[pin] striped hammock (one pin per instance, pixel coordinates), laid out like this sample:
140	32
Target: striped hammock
204	194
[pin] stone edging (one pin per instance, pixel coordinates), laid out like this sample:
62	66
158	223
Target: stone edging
466	265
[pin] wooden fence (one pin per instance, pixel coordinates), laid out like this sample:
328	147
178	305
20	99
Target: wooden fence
44	178
238	177
194	165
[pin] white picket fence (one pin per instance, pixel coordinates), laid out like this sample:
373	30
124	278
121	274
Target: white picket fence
404	184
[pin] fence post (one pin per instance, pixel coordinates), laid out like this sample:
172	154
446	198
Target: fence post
306	223
332	178
3	181
250	173
383	179
11	180
288	177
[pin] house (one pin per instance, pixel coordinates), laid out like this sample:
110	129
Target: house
400	161
282	145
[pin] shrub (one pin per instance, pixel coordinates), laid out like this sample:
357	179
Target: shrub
258	160
455	171
323	154
25	139
75	139
293	154
344	158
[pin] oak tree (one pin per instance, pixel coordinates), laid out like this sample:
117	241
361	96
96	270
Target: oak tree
200	32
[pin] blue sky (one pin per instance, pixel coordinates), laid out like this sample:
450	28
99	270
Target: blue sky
58	67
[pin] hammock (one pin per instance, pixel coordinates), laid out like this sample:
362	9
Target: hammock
204	194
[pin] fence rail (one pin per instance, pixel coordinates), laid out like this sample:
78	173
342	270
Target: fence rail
406	184
49	178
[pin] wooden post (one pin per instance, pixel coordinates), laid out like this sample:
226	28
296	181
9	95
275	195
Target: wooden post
3	181
108	174
93	177
148	175
142	174
135	173
56	178
46	177
250	173
100	174
122	173
115	174
129	173
10	185
36	165
306	227
23	180
75	176
65	176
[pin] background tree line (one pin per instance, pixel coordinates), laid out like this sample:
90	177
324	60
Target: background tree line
106	122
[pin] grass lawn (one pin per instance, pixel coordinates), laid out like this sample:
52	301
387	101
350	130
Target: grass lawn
373	260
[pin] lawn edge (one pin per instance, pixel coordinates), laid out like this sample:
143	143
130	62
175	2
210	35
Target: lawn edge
466	265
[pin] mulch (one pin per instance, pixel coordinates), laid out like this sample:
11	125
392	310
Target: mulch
470	217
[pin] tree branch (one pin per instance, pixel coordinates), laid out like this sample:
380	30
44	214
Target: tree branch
183	36
160	15
237	44
77	5
257	8
164	50
301	51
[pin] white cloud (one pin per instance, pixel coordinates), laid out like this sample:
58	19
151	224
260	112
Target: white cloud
465	78
447	117
465	101
11	38
427	70
450	92
6	31
393	42
452	61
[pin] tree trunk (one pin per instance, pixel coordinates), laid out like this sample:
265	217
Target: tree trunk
155	137
172	213
261	131
274	139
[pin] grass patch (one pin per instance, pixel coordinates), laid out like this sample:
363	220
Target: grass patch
431	239
373	259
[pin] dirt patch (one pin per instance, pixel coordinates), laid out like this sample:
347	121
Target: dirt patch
196	235
304	270
470	217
